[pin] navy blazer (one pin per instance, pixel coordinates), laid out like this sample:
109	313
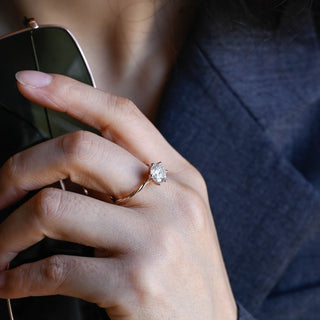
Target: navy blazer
242	105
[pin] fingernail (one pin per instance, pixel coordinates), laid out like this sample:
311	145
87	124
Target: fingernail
34	79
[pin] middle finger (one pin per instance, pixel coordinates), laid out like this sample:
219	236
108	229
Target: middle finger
70	217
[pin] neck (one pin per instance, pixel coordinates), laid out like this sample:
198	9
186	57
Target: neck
129	44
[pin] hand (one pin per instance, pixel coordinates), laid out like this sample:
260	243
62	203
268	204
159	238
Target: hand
158	255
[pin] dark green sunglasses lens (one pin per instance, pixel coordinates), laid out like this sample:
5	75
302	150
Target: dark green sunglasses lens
47	49
57	52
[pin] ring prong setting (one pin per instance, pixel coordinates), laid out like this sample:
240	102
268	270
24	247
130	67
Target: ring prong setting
158	173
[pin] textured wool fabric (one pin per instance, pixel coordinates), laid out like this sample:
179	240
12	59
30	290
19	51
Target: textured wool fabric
243	107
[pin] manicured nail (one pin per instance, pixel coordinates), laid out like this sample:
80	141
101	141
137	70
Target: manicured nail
34	79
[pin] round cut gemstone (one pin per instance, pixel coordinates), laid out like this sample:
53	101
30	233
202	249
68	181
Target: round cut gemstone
158	173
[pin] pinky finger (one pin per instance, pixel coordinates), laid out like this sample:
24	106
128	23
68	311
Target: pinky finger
79	277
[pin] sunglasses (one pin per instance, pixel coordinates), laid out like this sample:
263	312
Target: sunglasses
51	49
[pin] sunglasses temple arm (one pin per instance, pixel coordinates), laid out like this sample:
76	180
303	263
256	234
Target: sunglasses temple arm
10	309
9	302
63	187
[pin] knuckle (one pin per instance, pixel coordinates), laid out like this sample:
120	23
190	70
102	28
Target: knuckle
166	242
12	167
143	277
55	270
198	181
124	109
47	205
127	108
78	146
193	209
142	281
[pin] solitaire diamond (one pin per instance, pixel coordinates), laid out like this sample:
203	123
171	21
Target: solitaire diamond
158	173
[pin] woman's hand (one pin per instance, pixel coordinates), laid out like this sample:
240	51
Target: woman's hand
158	255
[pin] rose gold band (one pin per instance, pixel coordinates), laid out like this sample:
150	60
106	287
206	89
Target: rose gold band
131	194
156	174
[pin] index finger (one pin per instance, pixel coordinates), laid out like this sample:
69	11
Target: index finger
116	118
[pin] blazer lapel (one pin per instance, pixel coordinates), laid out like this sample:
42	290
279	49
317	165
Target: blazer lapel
263	207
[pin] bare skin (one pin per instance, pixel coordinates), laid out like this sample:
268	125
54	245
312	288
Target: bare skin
159	254
130	44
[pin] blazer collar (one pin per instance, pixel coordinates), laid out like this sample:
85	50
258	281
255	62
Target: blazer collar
263	206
